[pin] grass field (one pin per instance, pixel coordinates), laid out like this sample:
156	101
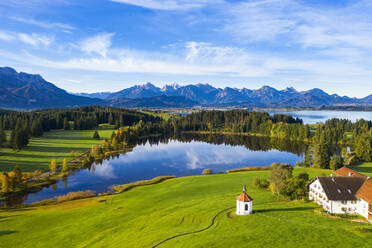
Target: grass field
54	144
365	168
144	216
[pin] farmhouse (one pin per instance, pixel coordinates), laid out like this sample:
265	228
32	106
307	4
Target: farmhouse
364	194
348	193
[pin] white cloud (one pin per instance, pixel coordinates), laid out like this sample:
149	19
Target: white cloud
203	59
98	44
4	35
43	24
36	40
259	20
33	39
195	59
169	4
289	22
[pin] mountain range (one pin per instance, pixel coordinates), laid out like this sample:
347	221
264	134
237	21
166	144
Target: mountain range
19	90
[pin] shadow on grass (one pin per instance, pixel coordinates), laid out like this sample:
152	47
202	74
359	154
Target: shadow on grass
7	232
18	209
361	167
282	209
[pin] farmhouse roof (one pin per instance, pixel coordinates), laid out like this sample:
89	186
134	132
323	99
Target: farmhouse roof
345	172
341	188
244	197
365	192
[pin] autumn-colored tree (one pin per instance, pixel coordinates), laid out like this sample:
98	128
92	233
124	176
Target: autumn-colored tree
53	165
73	154
17	174
207	172
64	165
24	178
4	183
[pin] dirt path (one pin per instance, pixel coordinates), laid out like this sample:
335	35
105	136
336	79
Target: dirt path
198	231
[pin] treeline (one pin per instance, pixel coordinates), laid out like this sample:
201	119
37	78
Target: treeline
239	121
335	143
340	142
285	130
33	124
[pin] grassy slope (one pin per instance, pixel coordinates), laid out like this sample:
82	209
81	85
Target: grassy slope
147	215
54	144
365	168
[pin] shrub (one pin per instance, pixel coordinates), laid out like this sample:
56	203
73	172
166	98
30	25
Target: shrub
36	173
76	195
249	169
73	154
207	171
296	187
126	187
300	164
278	176
261	183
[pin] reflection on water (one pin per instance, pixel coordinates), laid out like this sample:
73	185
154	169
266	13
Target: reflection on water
317	116
180	156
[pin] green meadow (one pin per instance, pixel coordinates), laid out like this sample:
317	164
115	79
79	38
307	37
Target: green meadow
54	144
201	207
365	168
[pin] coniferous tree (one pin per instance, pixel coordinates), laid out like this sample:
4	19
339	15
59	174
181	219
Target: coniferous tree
36	128
96	135
111	119
17	174
321	156
336	162
5	183
2	136
363	147
308	157
66	124
12	138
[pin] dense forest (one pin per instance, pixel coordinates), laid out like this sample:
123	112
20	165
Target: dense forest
24	125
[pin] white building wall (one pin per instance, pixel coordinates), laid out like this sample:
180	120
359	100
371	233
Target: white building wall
345	207
243	208
363	208
317	194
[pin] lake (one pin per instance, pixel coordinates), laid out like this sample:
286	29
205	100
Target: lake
185	156
316	116
188	155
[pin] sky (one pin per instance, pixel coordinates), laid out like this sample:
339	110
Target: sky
108	45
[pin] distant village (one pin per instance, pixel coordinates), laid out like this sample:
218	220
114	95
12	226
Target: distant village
349	192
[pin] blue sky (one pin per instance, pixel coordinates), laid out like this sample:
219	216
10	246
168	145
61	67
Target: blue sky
108	45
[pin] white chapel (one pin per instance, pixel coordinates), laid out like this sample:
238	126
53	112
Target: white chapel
244	203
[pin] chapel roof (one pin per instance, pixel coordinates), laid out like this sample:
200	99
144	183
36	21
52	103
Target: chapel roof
244	197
